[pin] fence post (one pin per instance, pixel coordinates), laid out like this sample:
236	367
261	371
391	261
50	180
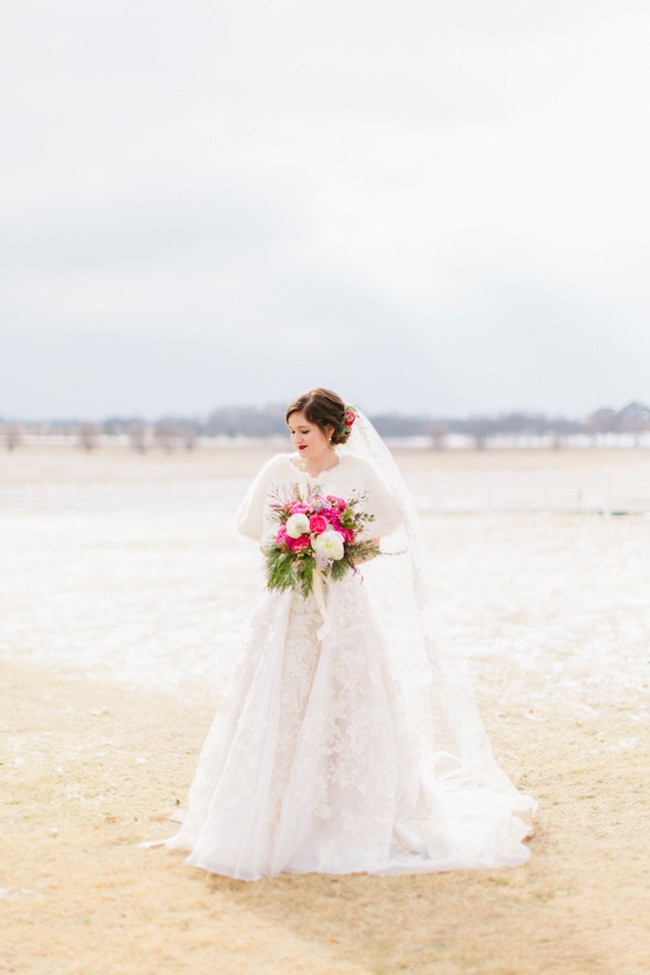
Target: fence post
546	488
607	492
489	489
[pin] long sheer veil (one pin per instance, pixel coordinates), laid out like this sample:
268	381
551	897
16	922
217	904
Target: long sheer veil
405	714
453	745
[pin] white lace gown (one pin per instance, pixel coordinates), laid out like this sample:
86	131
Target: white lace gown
312	762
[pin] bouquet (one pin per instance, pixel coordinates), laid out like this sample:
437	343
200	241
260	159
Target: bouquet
318	537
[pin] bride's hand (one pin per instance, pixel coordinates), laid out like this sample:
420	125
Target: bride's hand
371	555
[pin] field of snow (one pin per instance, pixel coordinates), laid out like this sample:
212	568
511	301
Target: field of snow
125	596
129	566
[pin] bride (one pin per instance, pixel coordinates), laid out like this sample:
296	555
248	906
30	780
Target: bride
343	742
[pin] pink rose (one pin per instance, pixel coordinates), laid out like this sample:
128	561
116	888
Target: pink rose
339	502
317	524
350	417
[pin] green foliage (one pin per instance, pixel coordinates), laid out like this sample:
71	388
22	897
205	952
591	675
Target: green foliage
279	568
287	569
338	570
305	566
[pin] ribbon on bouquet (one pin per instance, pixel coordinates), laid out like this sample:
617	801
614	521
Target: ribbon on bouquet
319	590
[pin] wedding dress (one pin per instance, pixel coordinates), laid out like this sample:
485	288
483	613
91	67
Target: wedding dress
350	752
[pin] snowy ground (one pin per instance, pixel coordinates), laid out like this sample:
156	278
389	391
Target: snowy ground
133	569
125	595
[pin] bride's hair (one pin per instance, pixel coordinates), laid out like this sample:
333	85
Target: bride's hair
325	409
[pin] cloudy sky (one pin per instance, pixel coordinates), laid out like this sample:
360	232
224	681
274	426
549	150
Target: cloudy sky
429	206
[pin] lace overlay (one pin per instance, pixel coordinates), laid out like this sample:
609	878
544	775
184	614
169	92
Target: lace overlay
313	762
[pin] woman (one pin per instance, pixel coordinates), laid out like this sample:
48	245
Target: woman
342	744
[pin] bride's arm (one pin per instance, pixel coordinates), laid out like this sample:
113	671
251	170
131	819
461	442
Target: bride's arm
250	515
381	504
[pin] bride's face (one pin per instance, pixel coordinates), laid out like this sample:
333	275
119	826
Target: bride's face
308	438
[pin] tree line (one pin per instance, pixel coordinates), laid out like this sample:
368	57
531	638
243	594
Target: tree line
173	432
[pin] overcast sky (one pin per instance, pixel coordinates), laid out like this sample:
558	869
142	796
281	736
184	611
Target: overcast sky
430	206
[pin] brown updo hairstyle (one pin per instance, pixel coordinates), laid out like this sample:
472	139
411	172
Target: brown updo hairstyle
325	409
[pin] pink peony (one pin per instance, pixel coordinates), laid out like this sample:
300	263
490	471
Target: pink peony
297	543
317	524
339	502
298	508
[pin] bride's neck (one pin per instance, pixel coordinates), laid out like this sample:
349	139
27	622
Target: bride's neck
325	462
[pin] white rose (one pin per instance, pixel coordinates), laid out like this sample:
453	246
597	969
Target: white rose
330	543
297	525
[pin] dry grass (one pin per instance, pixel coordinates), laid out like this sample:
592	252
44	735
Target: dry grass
81	898
42	463
555	610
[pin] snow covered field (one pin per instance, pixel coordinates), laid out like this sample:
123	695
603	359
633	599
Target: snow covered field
125	596
129	566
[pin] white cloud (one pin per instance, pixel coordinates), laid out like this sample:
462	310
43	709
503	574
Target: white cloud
443	206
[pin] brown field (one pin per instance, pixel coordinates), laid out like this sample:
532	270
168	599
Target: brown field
552	611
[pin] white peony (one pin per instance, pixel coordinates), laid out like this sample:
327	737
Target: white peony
330	543
297	525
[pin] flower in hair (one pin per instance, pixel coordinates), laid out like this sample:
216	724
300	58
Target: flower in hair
349	417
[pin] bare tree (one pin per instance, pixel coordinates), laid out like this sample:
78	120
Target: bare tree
166	433
12	435
602	421
635	419
438	430
88	434
137	433
480	428
189	438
